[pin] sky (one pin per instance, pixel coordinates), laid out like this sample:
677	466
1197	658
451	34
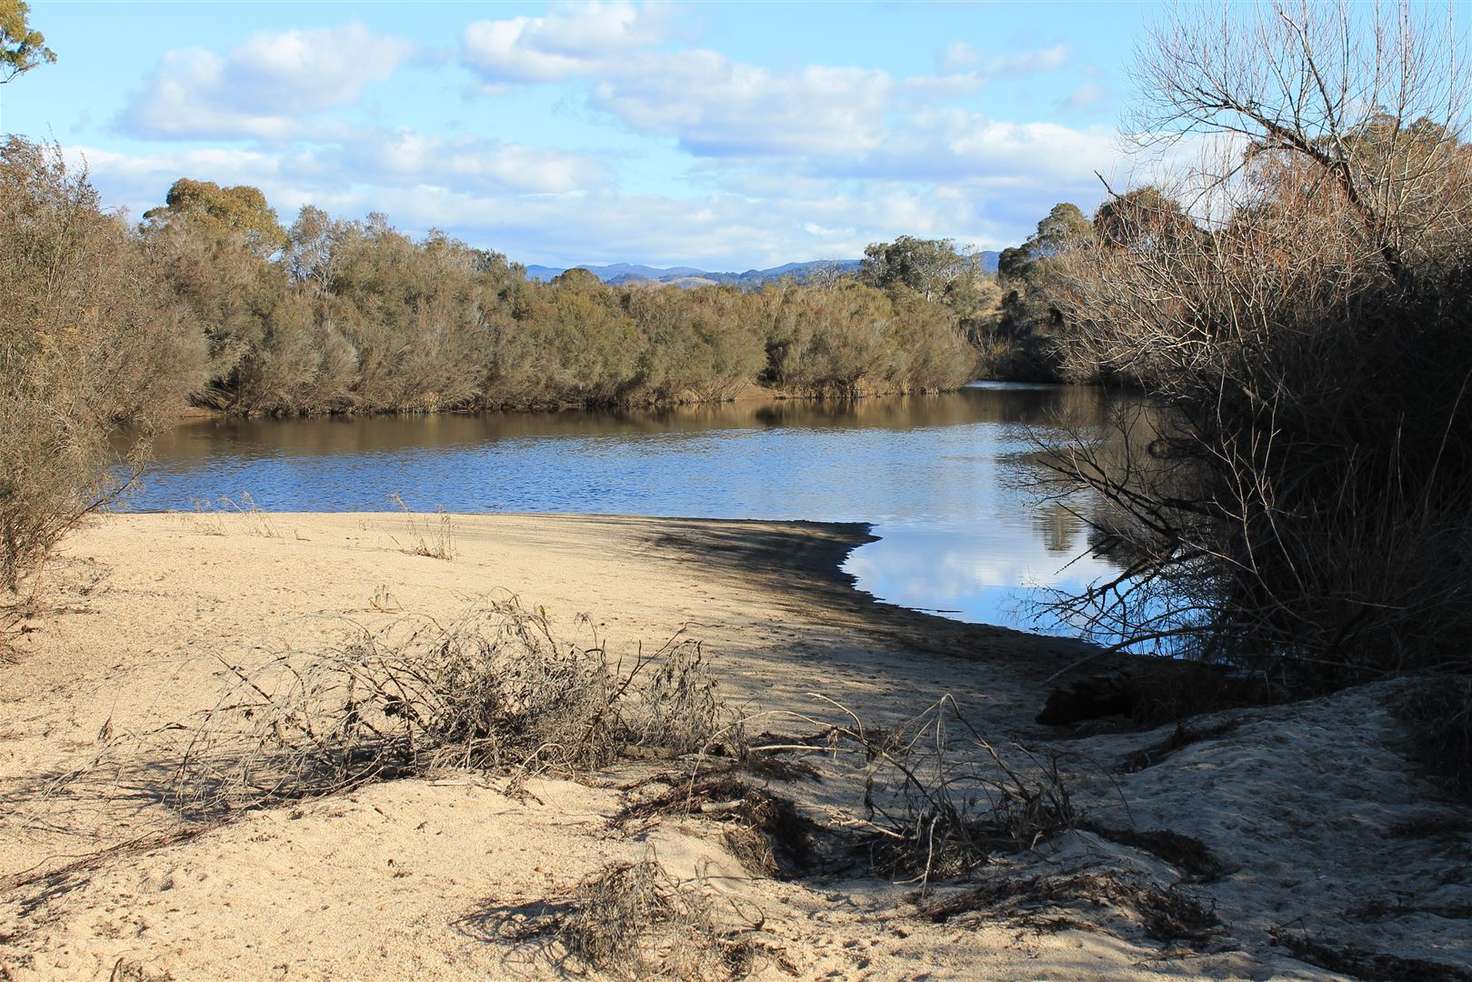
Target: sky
722	135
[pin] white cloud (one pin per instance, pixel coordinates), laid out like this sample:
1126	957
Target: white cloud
958	142
573	39
962	57
263	88
719	107
416	158
783	164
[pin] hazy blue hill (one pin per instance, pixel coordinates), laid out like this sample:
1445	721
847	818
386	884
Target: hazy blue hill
617	272
621	274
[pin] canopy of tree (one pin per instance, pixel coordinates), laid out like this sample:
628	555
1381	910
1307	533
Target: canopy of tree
21	46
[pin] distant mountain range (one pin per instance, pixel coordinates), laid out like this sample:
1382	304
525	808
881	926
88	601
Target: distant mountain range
690	276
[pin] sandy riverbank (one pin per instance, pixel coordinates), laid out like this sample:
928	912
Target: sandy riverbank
1322	829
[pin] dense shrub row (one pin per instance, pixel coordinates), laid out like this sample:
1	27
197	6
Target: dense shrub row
334	316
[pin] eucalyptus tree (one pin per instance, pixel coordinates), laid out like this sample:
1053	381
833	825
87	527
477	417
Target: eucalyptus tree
22	47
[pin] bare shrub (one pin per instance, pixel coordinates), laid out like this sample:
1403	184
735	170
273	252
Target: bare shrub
939	800
90	339
939	807
634	921
1296	503
495	691
1438	712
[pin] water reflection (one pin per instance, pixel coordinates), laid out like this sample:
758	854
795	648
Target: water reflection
941	477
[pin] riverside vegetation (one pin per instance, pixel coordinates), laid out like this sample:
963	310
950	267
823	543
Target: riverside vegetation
1296	505
209	300
1295	306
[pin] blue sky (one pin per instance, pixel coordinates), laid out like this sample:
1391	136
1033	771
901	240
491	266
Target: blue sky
722	135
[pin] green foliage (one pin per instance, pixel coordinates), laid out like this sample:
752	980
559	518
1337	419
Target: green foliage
930	267
1024	343
223	211
342	317
21	47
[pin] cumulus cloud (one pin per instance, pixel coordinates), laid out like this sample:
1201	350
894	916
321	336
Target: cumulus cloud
362	165
778	164
714	106
719	107
957	142
263	88
408	157
573	39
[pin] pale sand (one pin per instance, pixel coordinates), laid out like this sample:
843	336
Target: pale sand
407	878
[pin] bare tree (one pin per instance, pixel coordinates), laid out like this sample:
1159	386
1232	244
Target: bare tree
1300	491
1371	98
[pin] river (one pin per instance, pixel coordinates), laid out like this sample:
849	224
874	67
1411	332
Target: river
945	480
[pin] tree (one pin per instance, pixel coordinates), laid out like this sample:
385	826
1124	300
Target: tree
234	210
927	266
1063	228
1340	93
1135	218
21	47
1287	507
1029	310
90	337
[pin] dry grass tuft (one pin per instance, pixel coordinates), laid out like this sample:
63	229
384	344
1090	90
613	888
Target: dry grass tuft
495	691
764	831
1361	963
260	521
432	539
634	921
1163	913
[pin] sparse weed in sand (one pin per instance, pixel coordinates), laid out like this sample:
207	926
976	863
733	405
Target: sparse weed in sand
206	519
635	921
383	600
493	691
260	521
432	539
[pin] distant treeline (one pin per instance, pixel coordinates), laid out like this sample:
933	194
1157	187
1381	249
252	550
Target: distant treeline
334	316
